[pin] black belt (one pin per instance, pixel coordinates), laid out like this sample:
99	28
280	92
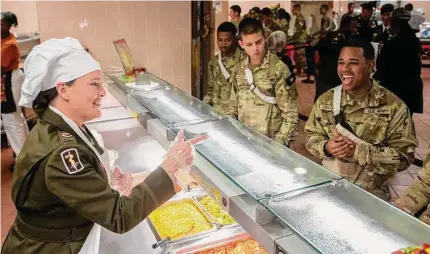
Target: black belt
53	235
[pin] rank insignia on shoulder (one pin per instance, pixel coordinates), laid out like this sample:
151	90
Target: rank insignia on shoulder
71	160
290	80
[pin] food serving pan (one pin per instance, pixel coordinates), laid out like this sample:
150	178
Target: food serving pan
199	197
186	186
197	248
163	241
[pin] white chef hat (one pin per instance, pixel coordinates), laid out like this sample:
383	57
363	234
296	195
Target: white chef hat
53	61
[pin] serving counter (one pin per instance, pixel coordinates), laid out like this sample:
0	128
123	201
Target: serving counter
283	200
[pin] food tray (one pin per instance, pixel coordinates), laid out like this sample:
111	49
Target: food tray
199	197
184	185
199	208
215	244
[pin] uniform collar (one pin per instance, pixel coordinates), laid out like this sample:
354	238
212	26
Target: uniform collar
56	120
236	58
264	63
375	97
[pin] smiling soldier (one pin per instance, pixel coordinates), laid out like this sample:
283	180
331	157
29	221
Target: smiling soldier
362	131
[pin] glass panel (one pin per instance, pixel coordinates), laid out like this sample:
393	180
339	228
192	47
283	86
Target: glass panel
259	165
340	217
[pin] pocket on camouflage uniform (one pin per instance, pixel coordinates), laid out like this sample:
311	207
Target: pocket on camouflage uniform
374	128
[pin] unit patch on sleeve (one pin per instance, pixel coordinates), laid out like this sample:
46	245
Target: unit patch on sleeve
71	160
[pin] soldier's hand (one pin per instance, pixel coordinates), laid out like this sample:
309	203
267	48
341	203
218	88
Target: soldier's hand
351	147
337	146
181	154
121	181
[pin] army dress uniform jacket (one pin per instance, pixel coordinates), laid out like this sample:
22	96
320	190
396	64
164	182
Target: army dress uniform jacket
417	196
219	88
60	190
382	121
278	121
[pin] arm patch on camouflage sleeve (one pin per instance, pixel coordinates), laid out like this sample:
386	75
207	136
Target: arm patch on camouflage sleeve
71	160
290	80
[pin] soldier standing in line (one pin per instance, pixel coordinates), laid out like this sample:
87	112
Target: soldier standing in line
284	20
362	131
234	14
325	20
221	66
299	38
263	94
364	29
268	21
417	196
382	31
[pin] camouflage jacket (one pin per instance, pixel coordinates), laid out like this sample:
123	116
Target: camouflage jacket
218	91
273	78
285	26
380	119
417	196
300	33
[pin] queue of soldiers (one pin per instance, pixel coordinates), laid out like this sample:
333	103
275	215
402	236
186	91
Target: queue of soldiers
360	129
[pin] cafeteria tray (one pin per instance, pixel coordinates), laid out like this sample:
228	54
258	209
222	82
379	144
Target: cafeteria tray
185	238
199	197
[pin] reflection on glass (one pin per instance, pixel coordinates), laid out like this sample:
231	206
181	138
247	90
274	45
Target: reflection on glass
259	165
341	218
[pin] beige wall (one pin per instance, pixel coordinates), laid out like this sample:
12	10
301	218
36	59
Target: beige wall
158	33
26	12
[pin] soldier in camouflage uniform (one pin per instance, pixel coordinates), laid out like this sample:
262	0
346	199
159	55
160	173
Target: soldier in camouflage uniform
362	131
268	21
299	38
417	196
218	91
325	20
263	94
283	20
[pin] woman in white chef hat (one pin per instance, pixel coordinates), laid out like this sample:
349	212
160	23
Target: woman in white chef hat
61	181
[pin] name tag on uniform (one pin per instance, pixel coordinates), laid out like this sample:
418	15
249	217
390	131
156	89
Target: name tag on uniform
377	111
326	107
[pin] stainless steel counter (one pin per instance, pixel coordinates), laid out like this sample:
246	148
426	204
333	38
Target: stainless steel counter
262	167
291	204
340	217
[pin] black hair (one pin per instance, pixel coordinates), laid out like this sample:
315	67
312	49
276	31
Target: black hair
345	22
283	14
368	50
350	4
296	6
41	103
266	11
324	6
409	7
10	18
367	6
387	8
256	9
250	26
236	8
227	27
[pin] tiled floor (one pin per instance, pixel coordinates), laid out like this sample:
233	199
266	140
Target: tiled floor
306	93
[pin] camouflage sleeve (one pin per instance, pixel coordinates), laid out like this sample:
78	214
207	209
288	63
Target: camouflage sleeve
208	98
286	99
398	152
316	137
417	196
233	96
72	178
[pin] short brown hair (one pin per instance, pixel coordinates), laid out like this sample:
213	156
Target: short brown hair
250	26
